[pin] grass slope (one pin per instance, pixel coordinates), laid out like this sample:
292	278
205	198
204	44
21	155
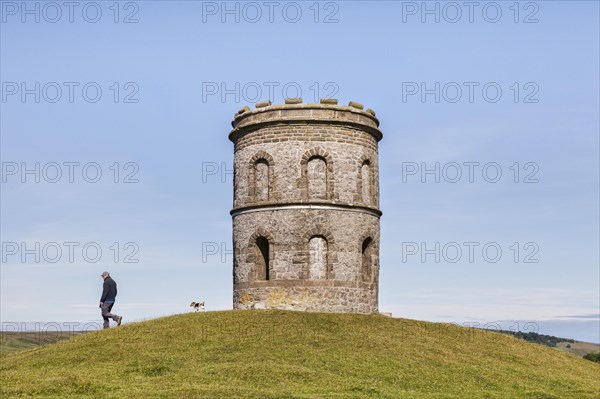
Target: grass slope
277	354
11	342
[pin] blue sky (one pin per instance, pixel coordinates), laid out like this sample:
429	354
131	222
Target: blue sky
162	120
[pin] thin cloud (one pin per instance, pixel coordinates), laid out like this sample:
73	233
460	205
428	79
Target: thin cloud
582	316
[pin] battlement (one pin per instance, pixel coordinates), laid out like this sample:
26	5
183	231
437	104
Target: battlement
328	111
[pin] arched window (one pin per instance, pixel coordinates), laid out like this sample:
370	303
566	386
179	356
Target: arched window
367	249
365	176
260	177
261	180
317	178
317	258
262	258
316	173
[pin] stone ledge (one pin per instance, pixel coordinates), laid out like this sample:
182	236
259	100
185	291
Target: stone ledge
295	113
301	283
316	205
241	131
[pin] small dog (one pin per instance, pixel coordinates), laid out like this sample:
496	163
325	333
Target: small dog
197	306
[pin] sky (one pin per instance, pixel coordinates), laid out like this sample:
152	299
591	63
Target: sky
114	124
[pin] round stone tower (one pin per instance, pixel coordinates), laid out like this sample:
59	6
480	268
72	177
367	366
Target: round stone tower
306	207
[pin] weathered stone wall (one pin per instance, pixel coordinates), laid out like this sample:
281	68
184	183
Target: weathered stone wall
305	298
352	288
306	208
345	149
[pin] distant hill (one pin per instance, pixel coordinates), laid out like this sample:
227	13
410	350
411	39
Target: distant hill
11	342
572	346
278	354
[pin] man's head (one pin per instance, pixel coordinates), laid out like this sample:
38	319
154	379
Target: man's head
104	275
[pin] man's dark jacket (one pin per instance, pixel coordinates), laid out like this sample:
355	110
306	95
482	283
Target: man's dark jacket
109	290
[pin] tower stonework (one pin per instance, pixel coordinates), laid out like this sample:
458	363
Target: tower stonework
306	207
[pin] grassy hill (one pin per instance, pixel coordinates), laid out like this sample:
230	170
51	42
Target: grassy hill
577	348
11	342
277	354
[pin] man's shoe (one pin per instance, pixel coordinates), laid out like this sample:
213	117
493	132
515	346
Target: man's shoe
119	320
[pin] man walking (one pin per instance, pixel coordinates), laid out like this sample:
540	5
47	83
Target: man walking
107	300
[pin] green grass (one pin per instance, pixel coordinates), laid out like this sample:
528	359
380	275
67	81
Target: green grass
277	354
11	342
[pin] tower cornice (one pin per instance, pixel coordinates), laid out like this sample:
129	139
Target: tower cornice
247	120
278	206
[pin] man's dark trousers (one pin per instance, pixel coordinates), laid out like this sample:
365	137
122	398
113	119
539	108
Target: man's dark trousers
106	308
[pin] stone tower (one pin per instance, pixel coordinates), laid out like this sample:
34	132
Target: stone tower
306	207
